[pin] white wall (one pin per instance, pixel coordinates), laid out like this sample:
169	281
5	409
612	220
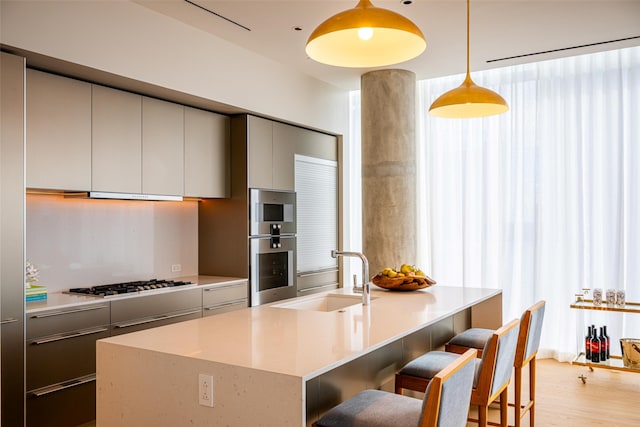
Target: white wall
132	41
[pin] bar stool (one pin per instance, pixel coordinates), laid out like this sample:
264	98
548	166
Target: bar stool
526	351
492	376
444	403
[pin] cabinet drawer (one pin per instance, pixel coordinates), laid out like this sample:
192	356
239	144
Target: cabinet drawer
65	404
154	305
155	321
226	293
316	289
52	322
314	279
60	357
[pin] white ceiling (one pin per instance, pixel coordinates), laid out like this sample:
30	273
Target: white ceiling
499	29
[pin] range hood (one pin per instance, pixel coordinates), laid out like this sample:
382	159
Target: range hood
130	196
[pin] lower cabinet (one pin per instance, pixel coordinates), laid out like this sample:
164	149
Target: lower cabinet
223	298
61	364
135	314
61	344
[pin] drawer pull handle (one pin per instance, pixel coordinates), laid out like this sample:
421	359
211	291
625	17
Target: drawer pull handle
317	272
62	312
154	319
315	288
219	287
68	336
62	386
8	320
225	304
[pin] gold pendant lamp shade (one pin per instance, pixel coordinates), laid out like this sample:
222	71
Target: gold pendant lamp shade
468	100
365	36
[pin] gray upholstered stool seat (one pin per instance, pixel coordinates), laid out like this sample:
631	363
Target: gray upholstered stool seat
471	338
374	408
429	364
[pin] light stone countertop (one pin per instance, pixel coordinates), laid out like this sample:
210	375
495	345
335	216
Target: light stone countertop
61	300
302	343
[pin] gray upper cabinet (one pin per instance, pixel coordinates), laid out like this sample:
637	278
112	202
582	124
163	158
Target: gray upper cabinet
116	158
137	144
162	147
84	136
271	147
316	144
206	154
259	152
285	138
58	132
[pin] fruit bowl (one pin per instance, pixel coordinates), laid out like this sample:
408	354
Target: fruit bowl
406	283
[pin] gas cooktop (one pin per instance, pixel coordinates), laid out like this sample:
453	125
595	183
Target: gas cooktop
128	288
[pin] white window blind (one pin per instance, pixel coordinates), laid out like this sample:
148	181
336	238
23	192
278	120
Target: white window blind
317	211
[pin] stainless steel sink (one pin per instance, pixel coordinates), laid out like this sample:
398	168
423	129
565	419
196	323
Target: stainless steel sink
324	302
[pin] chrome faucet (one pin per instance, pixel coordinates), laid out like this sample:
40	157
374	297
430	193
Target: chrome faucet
366	297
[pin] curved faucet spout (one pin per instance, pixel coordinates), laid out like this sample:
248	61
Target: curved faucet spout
366	298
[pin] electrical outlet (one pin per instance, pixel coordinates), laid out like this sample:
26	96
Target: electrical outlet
205	390
175	268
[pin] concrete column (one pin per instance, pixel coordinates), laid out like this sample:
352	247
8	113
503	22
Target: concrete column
388	168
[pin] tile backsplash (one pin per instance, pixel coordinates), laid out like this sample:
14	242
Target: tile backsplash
82	242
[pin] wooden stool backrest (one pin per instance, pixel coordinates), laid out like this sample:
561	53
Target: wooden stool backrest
529	336
497	361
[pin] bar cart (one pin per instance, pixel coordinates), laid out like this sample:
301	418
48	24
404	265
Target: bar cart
615	362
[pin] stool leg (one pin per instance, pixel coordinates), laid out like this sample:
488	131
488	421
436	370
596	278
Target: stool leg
518	394
504	404
532	391
483	414
398	387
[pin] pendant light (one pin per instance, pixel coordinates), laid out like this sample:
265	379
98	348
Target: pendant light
365	36
468	100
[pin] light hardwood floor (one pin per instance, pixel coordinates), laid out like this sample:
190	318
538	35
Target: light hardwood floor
609	398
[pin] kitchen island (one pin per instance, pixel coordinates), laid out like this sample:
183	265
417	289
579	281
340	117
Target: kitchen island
278	364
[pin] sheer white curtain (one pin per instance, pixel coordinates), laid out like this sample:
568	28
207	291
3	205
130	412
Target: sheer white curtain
541	201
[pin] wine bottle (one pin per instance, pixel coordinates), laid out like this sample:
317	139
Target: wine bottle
608	342
595	346
587	344
603	346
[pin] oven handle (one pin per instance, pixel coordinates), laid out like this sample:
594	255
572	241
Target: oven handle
62	312
287	244
154	319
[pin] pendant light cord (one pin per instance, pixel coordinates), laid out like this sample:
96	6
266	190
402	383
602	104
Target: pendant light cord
468	25
468	100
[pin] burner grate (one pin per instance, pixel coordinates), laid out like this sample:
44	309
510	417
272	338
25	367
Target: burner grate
128	287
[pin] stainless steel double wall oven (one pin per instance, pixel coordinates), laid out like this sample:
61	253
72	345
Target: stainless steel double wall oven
272	245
